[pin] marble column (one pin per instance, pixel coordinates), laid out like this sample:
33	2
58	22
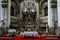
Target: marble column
50	15
37	15
58	11
21	9
47	28
6	14
9	11
1	14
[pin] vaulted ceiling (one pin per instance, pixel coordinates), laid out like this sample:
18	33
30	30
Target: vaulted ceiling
35	0
23	0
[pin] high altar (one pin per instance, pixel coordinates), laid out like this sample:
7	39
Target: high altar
29	14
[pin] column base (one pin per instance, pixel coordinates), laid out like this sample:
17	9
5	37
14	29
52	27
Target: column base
57	31
51	30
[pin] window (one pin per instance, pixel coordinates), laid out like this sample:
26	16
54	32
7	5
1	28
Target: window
46	0
12	0
12	11
29	3
46	11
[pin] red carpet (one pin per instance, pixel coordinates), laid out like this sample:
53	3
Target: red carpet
23	38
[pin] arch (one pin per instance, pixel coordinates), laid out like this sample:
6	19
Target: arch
46	11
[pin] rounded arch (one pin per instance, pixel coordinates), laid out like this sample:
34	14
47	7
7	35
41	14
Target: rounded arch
46	11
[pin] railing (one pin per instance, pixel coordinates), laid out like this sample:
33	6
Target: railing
25	23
